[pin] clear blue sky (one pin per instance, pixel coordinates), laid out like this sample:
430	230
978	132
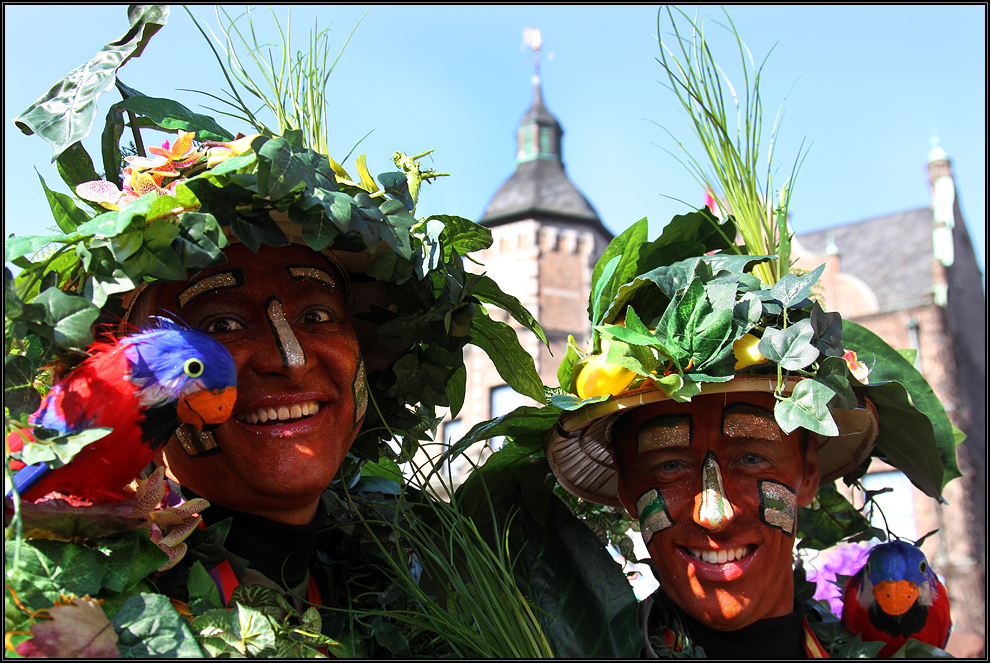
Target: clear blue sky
871	87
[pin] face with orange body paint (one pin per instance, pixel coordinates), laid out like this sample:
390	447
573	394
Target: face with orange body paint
282	315
711	480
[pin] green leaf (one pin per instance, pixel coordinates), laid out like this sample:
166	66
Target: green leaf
113	129
201	586
246	629
149	627
128	560
174	116
19	392
834	520
898	437
827	331
625	247
513	363
807	407
461	235
488	291
791	289
15	247
64	209
456	386
565	371
71	318
520	422
698	337
59	448
75	166
66	113
790	348
50	568
584	603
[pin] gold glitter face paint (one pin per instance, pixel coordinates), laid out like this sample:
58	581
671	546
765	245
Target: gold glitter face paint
309	272
714	510
664	432
749	421
231	279
293	355
359	388
778	505
197	443
653	514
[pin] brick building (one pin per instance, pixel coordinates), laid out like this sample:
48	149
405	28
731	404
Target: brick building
910	277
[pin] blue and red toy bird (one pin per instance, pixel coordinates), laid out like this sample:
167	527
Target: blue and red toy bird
896	596
143	386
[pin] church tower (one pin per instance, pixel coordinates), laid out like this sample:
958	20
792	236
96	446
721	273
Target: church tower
547	238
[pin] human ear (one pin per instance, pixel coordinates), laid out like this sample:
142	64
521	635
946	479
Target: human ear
811	475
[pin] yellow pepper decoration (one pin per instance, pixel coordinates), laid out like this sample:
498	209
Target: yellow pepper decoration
598	378
747	351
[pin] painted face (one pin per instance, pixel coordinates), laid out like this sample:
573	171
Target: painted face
301	392
716	485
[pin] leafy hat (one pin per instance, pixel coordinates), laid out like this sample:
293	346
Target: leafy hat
168	212
713	306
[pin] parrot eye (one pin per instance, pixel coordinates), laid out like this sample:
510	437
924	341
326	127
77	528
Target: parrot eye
923	566
193	368
869	569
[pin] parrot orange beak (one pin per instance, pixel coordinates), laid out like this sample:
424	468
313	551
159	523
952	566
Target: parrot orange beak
895	597
207	406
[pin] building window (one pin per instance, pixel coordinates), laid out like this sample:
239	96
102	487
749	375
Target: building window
503	400
546	146
451	432
897	505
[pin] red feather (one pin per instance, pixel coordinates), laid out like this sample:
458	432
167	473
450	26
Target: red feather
97	394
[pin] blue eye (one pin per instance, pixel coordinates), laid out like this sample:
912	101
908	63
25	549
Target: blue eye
193	368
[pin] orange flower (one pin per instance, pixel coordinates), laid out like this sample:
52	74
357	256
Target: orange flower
857	368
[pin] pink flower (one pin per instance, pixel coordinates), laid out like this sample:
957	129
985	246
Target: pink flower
845	560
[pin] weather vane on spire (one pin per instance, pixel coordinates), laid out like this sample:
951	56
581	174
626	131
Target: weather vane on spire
531	38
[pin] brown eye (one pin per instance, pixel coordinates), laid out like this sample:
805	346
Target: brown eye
318	316
223	325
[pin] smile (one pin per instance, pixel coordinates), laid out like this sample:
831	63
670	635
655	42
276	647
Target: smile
722	556
280	413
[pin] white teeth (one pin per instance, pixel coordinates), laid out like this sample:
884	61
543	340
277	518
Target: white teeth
719	556
283	413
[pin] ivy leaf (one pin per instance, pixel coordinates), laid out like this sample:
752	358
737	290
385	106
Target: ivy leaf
172	115
827	329
126	561
792	289
834	520
65	114
698	336
71	318
513	363
149	627
19	392
790	348
51	568
834	373
807	407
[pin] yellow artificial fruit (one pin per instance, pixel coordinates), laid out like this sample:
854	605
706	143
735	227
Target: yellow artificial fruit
747	351
597	377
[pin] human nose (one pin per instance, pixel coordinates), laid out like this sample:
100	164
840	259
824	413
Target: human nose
291	351
712	508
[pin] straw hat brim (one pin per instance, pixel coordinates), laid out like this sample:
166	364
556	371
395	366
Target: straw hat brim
578	446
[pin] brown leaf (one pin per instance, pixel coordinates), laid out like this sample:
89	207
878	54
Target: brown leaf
76	630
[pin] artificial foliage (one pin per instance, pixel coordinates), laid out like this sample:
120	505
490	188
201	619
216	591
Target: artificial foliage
409	574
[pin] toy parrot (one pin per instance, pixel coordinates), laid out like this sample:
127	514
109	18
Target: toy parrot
896	596
142	386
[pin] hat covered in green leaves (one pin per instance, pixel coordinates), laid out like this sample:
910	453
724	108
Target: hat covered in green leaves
162	213
680	317
714	306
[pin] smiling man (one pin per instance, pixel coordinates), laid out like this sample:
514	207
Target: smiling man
302	395
715	485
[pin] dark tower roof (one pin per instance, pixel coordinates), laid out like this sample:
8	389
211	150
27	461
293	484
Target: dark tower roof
539	185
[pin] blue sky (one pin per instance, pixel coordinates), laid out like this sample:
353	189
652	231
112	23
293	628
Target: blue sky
869	87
